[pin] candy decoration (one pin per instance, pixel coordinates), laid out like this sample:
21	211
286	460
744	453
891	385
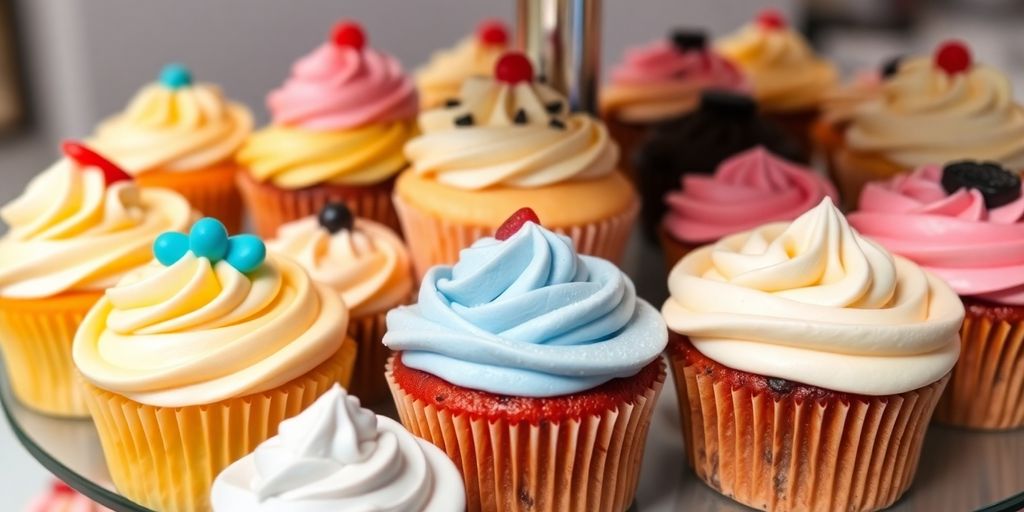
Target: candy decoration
953	57
209	239
88	158
515	222
175	76
891	66
686	40
997	185
62	489
348	34
771	19
245	252
169	247
728	104
492	32
335	217
513	67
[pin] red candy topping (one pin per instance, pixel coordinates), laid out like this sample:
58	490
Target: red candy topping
348	34
953	57
89	158
771	19
492	32
61	488
515	222
513	67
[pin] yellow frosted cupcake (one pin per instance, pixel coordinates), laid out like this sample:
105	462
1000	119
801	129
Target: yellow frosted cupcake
194	360
77	228
509	142
183	136
368	266
440	79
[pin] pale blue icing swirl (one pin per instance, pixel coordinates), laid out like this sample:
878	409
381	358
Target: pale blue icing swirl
527	317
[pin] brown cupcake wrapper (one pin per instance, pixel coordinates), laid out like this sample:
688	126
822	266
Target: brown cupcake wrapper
792	455
584	464
211	192
986	390
270	206
673	249
368	382
436	241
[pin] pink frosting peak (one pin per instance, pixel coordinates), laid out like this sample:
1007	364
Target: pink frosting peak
977	250
662	62
338	87
746	191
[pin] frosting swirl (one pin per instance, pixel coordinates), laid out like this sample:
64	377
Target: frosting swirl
814	302
551	145
746	191
174	129
336	455
69	231
527	316
977	250
926	115
368	265
442	76
195	333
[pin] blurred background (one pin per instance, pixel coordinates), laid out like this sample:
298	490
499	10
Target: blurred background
65	64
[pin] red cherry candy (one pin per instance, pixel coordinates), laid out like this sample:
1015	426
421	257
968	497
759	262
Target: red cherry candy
61	488
84	156
953	57
771	19
492	32
515	222
348	34
513	67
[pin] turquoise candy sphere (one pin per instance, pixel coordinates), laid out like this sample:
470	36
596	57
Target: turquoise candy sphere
208	239
246	252
169	247
175	76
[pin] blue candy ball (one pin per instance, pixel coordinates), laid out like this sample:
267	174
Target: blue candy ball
169	247
246	252
175	76
208	239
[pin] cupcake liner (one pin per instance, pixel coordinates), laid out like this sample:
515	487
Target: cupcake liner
368	382
436	241
270	206
630	137
800	125
986	390
581	464
36	337
790	454
828	138
673	249
211	191
166	458
852	170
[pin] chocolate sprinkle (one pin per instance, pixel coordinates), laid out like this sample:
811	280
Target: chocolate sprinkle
780	385
554	107
891	66
452	102
689	39
464	120
555	123
520	117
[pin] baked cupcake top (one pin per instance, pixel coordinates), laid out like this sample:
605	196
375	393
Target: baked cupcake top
786	73
964	222
80	225
176	125
940	109
336	455
341	117
509	131
441	77
664	79
361	260
209	320
523	314
61	498
746	191
814	302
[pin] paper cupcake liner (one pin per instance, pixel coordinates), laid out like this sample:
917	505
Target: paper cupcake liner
270	206
790	454
368	382
582	464
828	138
212	191
630	137
436	241
798	124
986	390
167	458
36	336
673	249
852	170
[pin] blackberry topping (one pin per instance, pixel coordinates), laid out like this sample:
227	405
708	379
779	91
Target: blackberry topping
555	123
554	107
997	185
464	120
728	104
891	66
335	217
689	39
782	386
520	117
452	102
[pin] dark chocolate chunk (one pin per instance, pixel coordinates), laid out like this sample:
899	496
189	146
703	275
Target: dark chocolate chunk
997	185
685	39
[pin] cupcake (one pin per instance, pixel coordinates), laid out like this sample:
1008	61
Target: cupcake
183	136
790	81
747	190
724	125
535	369
61	498
661	81
965	223
78	227
440	79
192	361
368	266
509	141
338	124
932	110
808	362
337	456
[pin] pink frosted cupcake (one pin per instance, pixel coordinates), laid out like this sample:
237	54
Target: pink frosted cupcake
965	223
746	191
338	126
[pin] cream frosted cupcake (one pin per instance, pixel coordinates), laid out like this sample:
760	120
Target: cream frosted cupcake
78	228
193	360
337	456
440	79
181	135
368	266
808	362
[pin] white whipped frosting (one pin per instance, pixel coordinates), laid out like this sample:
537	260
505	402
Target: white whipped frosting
337	456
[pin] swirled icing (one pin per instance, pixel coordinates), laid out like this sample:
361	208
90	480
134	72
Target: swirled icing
442	76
